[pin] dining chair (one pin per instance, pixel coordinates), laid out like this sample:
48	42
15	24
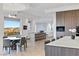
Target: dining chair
61	36
58	38
23	43
4	37
47	41
52	40
6	44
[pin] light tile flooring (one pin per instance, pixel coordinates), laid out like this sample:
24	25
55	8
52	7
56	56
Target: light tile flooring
33	49
1	50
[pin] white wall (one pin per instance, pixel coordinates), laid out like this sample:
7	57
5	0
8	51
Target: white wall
32	32
47	21
54	24
24	21
42	23
1	31
41	27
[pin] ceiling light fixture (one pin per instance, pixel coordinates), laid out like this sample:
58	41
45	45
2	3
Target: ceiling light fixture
12	16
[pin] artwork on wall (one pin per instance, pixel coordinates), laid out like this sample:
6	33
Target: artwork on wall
11	26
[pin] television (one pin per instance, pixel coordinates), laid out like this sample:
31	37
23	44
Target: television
60	28
24	27
42	31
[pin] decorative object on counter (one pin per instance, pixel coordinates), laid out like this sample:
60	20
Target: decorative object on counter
73	36
72	33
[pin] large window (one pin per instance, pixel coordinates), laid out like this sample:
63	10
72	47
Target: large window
11	26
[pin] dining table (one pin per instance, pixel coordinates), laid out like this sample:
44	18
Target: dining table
14	41
12	38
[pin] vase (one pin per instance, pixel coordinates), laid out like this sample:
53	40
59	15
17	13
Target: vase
72	36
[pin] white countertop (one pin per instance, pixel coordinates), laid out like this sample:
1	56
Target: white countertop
66	42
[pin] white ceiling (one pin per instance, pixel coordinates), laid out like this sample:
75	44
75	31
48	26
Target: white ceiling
13	7
37	10
44	9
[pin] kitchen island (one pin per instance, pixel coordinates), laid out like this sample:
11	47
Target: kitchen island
63	47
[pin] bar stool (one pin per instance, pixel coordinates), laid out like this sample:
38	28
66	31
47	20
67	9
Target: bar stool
47	41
